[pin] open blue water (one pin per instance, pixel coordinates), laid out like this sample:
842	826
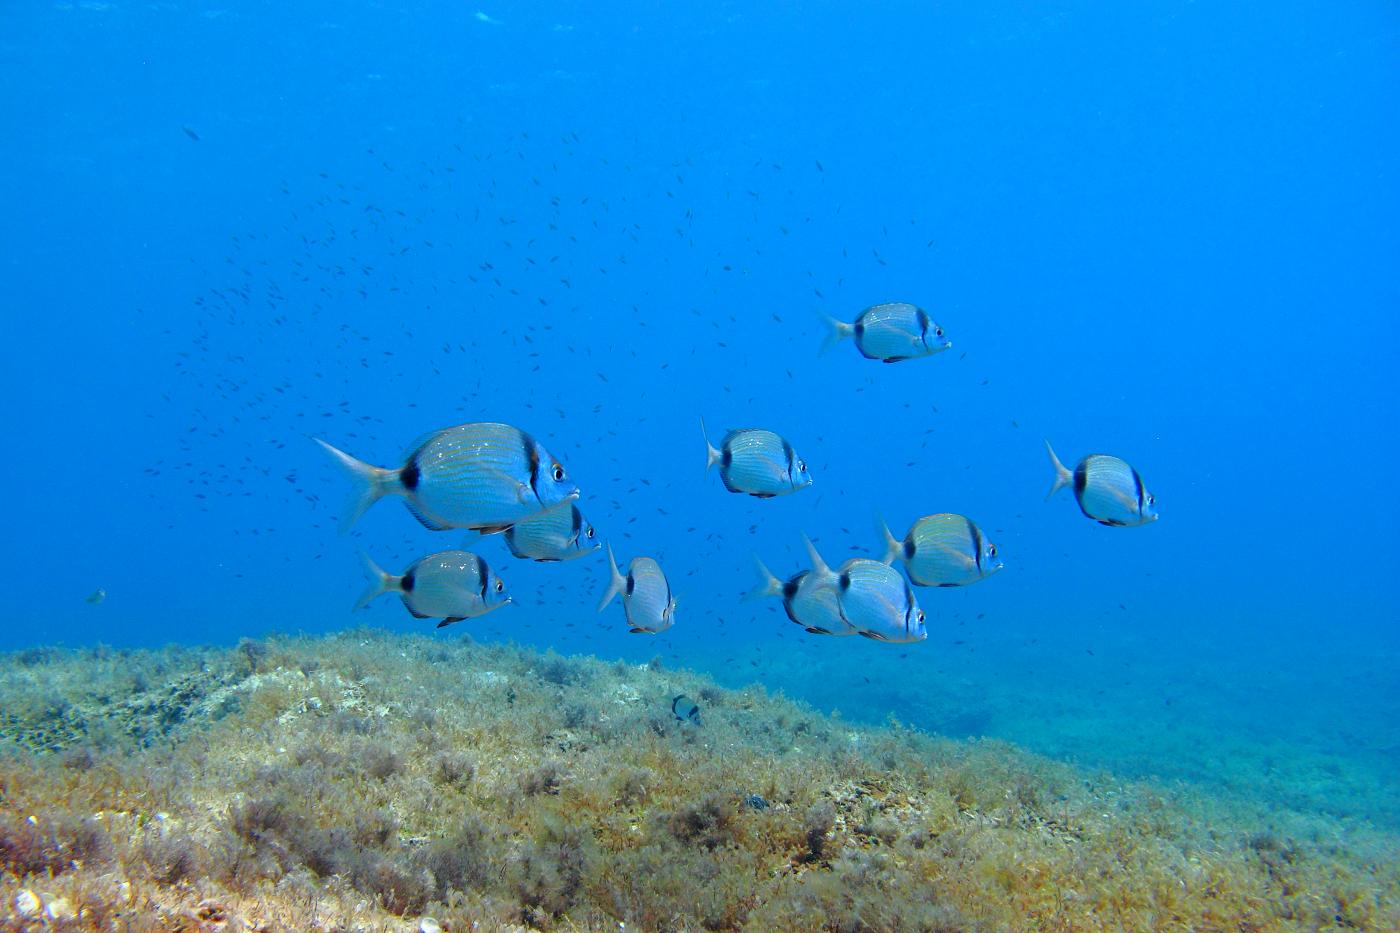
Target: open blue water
1164	230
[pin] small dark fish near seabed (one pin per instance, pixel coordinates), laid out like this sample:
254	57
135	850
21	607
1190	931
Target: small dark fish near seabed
685	709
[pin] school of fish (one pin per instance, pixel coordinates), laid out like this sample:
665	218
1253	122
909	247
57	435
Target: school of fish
495	478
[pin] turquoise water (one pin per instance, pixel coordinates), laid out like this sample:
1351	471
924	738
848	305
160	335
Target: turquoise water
1164	232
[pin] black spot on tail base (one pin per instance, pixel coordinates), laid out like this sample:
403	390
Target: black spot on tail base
407	582
410	474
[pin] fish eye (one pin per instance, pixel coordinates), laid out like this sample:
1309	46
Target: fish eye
992	551
938	332
590	532
921	616
558	473
1151	499
500	587
802	466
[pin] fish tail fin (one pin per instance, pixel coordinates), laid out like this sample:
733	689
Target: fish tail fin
379	582
819	566
768	585
712	454
372	483
836	331
893	546
616	581
1063	477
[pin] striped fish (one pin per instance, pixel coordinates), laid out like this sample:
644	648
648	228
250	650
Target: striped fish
875	599
807	603
756	462
1108	490
562	533
890	333
943	550
448	585
482	476
646	596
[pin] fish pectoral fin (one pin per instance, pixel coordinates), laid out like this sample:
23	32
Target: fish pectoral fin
817	631
415	613
449	620
431	524
962	557
874	636
639	631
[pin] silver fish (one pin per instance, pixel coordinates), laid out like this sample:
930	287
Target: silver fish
943	550
96	597
875	598
890	333
646	596
562	533
809	604
756	462
1108	490
483	476
448	585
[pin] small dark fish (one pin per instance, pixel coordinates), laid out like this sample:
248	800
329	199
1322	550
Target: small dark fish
96	597
190	133
685	709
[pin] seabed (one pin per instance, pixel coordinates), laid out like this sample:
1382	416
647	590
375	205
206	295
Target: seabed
373	781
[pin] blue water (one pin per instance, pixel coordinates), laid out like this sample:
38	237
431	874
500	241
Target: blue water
1165	231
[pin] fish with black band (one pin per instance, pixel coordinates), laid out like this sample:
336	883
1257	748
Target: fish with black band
647	600
482	476
562	533
943	550
448	585
890	333
757	462
807	603
875	599
1107	489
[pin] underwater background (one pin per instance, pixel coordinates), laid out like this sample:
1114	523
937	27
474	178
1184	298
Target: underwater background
1165	231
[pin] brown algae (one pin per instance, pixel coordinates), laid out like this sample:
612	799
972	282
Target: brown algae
369	781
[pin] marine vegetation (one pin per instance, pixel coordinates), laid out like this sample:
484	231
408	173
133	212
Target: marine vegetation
368	781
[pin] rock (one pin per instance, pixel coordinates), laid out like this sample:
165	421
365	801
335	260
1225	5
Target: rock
27	904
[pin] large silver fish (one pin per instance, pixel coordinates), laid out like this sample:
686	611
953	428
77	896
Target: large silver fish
890	333
875	599
756	462
483	476
562	533
646	596
1108	490
448	585
943	550
808	603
